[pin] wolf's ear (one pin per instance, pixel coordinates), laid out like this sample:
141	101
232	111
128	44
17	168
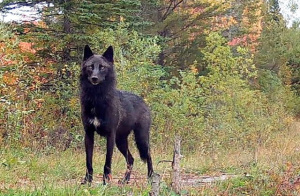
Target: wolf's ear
109	54
87	52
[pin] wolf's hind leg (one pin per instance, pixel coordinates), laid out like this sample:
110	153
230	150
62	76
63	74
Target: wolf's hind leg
141	133
122	144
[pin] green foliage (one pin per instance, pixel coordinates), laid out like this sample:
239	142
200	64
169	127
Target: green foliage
65	26
32	99
217	111
134	58
272	49
11	111
269	82
239	104
277	93
278	60
49	114
241	116
228	96
182	27
177	110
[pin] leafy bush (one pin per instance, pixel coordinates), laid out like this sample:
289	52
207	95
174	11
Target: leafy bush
134	58
237	115
220	110
212	112
48	115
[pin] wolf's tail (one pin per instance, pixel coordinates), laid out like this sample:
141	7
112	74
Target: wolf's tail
141	135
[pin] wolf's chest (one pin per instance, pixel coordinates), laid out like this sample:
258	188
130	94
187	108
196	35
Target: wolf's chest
95	121
95	118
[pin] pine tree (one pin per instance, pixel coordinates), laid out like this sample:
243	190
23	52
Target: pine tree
69	24
182	27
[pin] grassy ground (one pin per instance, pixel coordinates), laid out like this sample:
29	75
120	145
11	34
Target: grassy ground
273	169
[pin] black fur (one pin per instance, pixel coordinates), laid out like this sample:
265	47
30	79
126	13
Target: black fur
111	113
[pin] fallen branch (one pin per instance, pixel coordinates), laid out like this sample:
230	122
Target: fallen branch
203	180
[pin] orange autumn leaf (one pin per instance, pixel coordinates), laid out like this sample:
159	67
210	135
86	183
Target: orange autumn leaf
27	47
238	41
194	69
4	61
10	79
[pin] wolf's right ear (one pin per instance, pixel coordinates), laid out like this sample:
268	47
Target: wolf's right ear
87	53
109	54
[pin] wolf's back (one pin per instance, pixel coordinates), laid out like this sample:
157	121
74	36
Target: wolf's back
135	110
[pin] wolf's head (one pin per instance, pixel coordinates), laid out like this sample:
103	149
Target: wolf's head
97	68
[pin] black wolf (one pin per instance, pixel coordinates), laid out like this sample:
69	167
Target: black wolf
111	113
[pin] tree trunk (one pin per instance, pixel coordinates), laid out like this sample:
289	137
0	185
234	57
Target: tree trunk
155	185
66	55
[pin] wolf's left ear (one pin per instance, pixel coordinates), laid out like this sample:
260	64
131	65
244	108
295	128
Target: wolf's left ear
87	53
109	54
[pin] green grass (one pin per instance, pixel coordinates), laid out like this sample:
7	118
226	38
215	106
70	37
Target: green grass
78	190
273	172
26	173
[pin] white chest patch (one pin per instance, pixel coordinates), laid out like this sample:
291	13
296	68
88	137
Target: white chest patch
95	122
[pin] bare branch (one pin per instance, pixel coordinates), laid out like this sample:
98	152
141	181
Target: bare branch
170	10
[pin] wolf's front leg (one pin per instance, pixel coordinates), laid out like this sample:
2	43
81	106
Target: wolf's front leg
110	143
89	147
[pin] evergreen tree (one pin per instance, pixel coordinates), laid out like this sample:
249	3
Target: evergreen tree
274	10
182	27
69	24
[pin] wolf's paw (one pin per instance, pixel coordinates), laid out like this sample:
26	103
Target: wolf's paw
84	182
107	178
123	181
126	178
87	180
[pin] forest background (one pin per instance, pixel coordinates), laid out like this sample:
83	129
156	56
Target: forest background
223	75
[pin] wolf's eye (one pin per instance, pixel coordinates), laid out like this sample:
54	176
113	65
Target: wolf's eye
91	67
102	68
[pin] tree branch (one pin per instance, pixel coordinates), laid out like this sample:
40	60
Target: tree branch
170	10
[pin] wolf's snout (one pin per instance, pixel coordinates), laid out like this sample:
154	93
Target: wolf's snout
94	79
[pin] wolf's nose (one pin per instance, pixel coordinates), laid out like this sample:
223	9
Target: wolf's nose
94	79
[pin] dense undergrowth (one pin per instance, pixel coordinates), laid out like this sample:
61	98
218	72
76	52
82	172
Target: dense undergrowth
233	107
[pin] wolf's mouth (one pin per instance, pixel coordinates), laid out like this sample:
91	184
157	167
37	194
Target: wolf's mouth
95	83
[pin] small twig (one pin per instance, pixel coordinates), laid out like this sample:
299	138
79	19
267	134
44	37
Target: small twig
162	161
176	178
